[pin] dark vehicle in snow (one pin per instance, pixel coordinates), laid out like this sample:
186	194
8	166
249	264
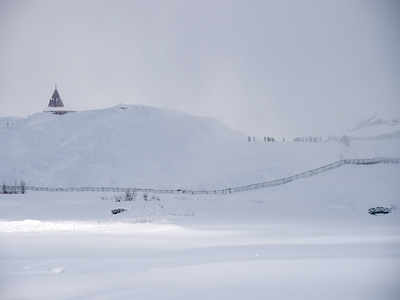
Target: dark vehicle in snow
379	210
117	210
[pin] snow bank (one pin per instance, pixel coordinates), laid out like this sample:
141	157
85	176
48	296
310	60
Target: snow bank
85	227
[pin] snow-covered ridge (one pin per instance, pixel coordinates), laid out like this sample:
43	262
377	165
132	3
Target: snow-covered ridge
376	127
130	145
374	121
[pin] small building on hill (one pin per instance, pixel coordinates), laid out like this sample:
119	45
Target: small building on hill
56	106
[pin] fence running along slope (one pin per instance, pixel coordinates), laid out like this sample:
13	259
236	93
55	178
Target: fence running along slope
228	190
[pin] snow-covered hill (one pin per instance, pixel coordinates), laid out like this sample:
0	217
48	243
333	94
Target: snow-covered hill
146	146
135	145
376	128
304	239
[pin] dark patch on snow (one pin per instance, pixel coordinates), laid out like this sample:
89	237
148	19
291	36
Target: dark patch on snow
117	210
379	210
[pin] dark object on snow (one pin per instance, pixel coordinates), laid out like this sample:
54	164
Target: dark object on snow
56	106
55	100
13	189
379	210
117	210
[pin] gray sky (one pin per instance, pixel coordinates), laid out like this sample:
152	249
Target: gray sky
263	67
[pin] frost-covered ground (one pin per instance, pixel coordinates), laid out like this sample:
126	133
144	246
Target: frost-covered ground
310	239
179	263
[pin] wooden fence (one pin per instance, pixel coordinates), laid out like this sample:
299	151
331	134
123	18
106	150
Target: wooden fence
227	190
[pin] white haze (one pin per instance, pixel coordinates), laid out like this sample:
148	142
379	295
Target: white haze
265	68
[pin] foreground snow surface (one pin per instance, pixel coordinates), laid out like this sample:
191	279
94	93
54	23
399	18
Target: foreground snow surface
310	239
211	264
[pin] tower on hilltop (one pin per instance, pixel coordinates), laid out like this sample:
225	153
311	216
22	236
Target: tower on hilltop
55	100
56	106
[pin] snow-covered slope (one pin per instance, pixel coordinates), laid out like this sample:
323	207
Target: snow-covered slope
376	128
304	239
137	145
145	146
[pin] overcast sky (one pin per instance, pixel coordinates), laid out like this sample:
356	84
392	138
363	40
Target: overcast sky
279	68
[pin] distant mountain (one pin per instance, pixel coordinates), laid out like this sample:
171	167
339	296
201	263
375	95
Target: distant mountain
376	127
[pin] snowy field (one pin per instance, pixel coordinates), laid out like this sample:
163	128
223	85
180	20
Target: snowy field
290	242
179	263
309	239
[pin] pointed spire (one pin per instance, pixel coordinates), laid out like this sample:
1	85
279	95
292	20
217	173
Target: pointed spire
55	100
